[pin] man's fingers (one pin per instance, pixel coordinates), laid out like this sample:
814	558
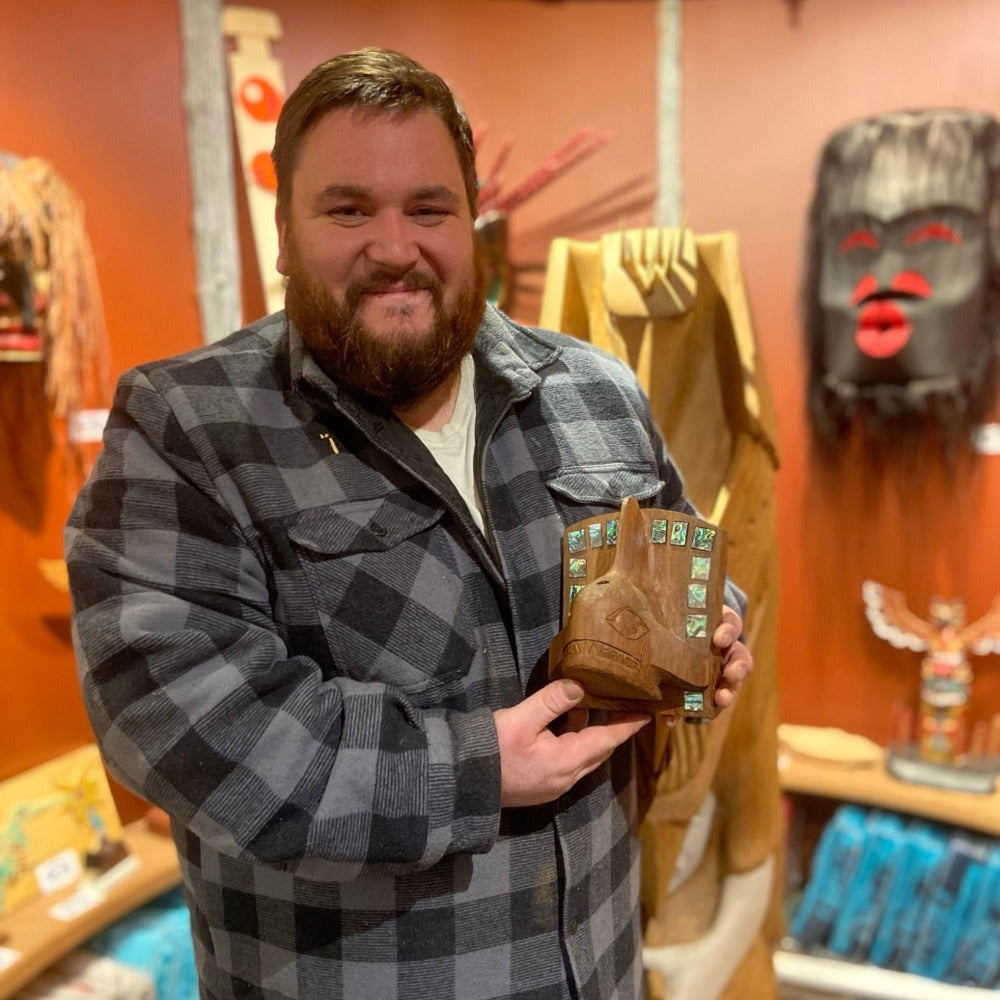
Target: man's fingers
736	670
732	616
590	747
553	700
737	665
728	630
723	697
538	766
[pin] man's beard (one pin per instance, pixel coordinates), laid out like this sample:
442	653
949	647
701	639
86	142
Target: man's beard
396	369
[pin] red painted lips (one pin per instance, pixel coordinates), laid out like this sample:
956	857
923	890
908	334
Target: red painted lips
882	329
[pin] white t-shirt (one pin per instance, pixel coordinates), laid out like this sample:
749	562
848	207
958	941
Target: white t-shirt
454	445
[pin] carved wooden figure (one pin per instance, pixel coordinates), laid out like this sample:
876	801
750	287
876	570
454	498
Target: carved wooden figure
672	304
642	596
945	672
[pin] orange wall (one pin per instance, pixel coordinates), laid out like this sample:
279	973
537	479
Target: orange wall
96	88
762	92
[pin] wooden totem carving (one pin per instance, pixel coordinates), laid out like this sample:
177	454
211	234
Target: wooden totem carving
946	640
642	596
672	304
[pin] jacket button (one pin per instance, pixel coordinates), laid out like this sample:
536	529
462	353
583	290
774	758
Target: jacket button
377	529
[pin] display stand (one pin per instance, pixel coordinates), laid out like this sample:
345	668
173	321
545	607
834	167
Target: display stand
41	939
842	978
867	782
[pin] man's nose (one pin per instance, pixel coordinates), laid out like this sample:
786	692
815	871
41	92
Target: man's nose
392	243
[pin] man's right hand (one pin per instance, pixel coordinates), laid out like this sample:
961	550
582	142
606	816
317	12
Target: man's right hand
536	765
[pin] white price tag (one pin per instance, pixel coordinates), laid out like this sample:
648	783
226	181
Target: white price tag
8	956
59	871
986	439
87	426
72	906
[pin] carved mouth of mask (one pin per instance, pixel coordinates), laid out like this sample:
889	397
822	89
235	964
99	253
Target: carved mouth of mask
16	339
587	660
22	306
883	329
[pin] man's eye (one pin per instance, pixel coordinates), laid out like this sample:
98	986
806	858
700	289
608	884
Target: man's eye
347	213
429	214
859	238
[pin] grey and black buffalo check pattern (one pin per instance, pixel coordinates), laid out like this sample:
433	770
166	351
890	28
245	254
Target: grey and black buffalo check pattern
292	636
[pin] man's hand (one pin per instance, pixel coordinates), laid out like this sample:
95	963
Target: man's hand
736	659
536	765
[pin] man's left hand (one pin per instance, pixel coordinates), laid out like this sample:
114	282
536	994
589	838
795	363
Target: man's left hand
736	659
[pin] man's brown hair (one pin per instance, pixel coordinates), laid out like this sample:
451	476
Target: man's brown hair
377	80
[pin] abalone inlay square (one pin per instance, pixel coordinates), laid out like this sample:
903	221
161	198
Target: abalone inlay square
701	567
697	626
704	539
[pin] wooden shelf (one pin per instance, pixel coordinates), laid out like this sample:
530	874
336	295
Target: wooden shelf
867	782
850	771
838	977
42	939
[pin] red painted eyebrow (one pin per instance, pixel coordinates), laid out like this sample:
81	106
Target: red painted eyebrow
859	238
932	231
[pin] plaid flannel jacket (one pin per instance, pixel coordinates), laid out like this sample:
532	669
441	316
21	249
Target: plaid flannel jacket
291	636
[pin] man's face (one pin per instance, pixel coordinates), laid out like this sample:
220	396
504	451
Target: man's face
377	244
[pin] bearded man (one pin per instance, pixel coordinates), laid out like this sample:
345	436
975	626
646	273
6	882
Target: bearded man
316	573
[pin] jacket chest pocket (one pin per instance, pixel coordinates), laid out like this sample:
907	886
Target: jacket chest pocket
387	592
598	488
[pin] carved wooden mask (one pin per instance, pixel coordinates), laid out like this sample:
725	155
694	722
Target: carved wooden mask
901	295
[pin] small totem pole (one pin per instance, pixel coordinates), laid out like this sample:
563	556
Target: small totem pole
943	731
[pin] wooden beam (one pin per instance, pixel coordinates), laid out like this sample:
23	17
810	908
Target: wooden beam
210	154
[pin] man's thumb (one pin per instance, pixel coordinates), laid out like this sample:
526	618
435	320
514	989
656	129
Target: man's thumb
560	696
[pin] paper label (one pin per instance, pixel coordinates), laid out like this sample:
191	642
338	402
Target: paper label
87	426
72	906
59	871
986	439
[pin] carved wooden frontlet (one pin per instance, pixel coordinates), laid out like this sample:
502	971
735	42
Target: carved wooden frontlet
642	596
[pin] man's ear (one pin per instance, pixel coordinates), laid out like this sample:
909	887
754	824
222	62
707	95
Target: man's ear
282	225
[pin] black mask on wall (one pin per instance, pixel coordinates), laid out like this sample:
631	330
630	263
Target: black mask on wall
902	291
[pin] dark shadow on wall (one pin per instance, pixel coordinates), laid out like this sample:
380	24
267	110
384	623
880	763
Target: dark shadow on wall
25	442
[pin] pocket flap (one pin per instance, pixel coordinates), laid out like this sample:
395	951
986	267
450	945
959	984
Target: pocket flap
361	525
606	484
